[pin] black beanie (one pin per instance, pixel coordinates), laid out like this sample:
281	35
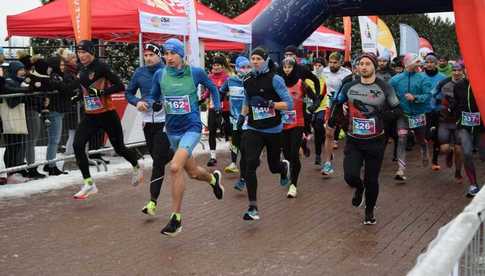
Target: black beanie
86	45
291	49
260	51
219	60
41	66
370	56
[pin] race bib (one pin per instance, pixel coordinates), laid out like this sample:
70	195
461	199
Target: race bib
177	105
364	127
261	113
470	119
288	117
416	121
92	103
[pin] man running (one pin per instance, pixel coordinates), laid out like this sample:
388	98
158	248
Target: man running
153	122
98	82
414	93
370	101
266	97
174	89
318	120
235	89
334	74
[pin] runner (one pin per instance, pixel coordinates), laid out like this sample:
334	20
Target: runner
384	70
318	120
235	89
334	75
153	122
448	122
414	93
444	67
218	76
98	82
174	89
464	107
433	116
371	101
266	96
293	120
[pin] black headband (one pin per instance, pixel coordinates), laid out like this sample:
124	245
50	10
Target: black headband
154	48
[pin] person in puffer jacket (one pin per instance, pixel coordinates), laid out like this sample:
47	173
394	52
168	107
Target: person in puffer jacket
414	92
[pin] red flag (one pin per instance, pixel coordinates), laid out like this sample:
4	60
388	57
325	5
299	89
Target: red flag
80	11
348	37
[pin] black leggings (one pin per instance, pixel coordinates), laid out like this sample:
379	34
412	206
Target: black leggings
319	135
242	151
226	124
159	148
254	142
212	125
292	140
14	150
367	153
91	123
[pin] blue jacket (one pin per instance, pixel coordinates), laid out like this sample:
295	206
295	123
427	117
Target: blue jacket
142	79
417	85
180	124
435	94
234	87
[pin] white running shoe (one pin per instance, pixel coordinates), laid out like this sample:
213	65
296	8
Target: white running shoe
137	176
86	191
292	192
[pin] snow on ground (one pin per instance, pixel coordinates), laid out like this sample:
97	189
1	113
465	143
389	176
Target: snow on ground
118	166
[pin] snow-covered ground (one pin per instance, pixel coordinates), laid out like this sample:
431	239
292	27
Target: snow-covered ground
118	166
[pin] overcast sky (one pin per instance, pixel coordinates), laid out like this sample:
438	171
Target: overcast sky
10	7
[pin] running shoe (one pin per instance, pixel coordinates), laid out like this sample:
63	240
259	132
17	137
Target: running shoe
252	214
240	185
87	190
472	191
137	175
212	162
358	198
400	176
217	187
449	159
369	218
292	192
318	160
150	208
173	228
327	168
435	167
232	168
285	173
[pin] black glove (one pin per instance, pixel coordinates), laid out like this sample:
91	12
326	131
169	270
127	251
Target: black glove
157	106
240	122
93	92
312	108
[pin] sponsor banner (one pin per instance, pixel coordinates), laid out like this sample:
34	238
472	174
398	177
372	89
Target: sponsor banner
80	11
348	37
368	33
172	25
385	40
226	32
409	40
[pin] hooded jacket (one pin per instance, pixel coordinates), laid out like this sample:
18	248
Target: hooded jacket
13	84
464	101
417	85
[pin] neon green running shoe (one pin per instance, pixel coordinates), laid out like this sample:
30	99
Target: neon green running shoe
150	208
232	168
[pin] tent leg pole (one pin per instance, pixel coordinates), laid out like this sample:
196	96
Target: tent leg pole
317	52
140	48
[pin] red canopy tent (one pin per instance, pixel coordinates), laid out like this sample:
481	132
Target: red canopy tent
248	16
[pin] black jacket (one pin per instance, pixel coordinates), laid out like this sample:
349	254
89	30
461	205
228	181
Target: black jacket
464	101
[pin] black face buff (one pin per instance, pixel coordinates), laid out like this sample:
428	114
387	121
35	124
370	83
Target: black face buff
153	48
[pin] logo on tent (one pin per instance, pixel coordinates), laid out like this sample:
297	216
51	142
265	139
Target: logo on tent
238	31
157	21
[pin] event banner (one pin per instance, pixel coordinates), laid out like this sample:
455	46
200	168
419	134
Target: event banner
80	11
409	40
385	40
348	37
225	32
172	25
368	33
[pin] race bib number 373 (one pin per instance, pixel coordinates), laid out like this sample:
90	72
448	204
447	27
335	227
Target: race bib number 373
92	103
364	127
177	105
416	121
470	119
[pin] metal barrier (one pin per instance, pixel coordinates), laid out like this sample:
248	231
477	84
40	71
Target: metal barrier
459	248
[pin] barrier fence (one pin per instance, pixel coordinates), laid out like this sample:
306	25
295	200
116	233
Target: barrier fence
459	248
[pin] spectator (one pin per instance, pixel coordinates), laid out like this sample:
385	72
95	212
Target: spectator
15	134
58	105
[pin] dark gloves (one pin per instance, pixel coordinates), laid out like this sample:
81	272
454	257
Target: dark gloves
77	96
157	106
240	122
93	92
258	101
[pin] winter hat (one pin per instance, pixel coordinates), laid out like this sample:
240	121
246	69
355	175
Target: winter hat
86	45
176	46
241	62
335	55
431	57
260	51
41	66
289	61
13	68
409	59
370	56
291	49
319	60
385	55
153	48
219	60
55	63
458	66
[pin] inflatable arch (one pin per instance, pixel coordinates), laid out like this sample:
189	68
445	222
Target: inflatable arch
291	22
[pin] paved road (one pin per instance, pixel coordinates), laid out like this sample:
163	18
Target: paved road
319	233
